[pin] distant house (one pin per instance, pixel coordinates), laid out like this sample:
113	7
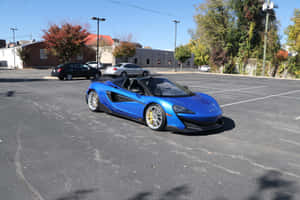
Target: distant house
39	56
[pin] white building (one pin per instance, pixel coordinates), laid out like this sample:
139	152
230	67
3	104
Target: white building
9	58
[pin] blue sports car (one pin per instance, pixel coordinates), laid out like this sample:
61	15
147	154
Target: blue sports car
157	102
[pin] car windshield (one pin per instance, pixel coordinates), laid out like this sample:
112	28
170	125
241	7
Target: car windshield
164	88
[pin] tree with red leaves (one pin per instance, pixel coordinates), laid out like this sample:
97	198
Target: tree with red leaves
282	55
65	41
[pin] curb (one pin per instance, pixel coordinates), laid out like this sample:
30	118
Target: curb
236	75
50	78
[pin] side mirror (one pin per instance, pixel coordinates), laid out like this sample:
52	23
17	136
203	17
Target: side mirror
185	87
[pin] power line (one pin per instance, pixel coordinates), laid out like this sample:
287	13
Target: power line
142	8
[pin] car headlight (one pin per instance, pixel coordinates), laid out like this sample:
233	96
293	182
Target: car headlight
181	109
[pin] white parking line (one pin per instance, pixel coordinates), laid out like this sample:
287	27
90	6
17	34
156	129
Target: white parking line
297	118
260	98
236	90
290	142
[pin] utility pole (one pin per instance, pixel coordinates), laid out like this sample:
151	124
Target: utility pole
175	22
268	6
97	55
13	30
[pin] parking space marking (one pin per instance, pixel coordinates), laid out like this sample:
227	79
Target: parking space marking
290	142
260	98
239	89
297	118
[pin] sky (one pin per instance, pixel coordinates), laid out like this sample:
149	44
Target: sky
148	21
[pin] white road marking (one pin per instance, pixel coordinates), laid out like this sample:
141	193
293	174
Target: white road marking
19	169
260	98
237	90
297	118
290	142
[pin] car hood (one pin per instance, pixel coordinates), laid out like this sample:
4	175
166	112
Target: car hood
201	104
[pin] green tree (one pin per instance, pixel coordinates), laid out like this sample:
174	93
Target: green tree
183	53
65	41
215	29
293	41
293	32
250	23
200	51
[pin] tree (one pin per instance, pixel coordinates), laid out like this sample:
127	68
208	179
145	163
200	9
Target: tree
216	31
24	54
65	41
200	51
293	41
293	32
183	53
124	50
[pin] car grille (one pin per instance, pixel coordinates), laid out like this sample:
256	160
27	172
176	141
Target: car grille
202	125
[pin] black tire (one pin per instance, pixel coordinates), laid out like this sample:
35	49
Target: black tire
124	74
69	77
87	77
145	73
151	125
93	104
97	75
61	78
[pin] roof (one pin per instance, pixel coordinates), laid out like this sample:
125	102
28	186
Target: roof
92	39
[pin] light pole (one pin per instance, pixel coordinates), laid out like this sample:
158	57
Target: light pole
267	6
97	55
13	30
175	22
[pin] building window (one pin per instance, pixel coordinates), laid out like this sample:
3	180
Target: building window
43	54
158	61
148	61
135	61
188	63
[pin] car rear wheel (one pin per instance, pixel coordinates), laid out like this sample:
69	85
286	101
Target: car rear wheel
93	101
145	73
155	117
61	78
69	77
97	75
124	74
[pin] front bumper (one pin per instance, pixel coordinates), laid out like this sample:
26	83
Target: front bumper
198	126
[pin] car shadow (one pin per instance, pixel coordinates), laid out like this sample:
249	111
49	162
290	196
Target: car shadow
229	124
16	80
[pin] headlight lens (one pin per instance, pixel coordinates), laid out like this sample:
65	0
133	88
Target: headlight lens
181	109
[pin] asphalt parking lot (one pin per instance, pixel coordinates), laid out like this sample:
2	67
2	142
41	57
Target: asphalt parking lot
53	148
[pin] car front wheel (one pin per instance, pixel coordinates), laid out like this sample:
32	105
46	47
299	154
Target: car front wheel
93	101
155	117
124	74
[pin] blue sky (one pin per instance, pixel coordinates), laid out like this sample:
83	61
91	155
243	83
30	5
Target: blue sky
154	29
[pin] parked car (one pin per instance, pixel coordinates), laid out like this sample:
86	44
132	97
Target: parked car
70	70
126	69
157	102
204	68
94	64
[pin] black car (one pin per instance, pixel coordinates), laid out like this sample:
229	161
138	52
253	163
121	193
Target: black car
70	70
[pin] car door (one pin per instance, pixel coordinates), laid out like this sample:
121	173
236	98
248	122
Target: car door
68	69
85	70
76	69
136	70
126	102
